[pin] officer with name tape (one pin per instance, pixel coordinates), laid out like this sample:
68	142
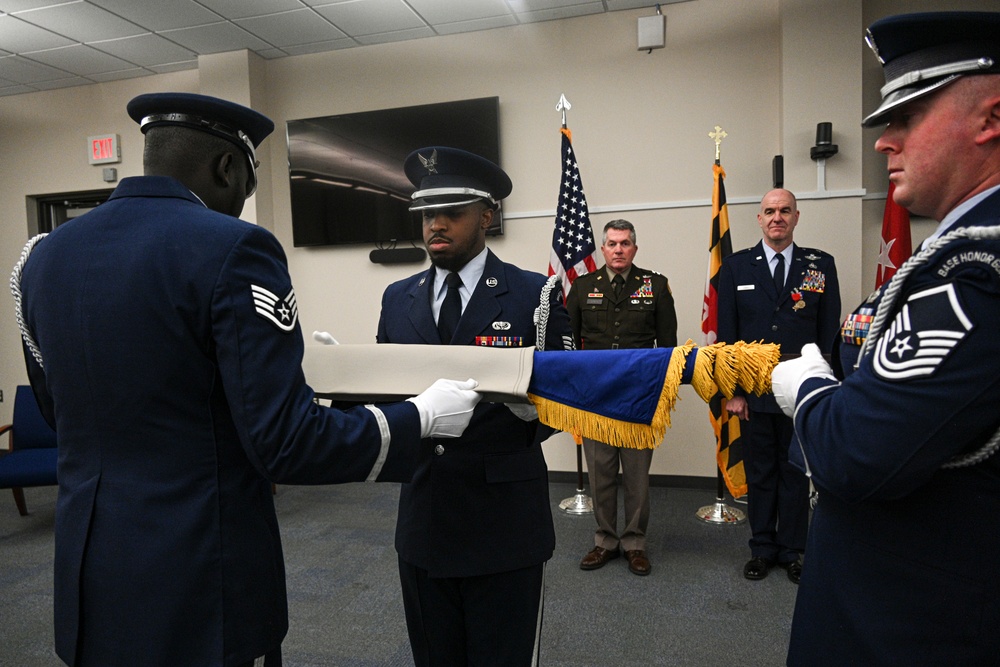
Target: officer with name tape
475	524
903	449
162	342
620	306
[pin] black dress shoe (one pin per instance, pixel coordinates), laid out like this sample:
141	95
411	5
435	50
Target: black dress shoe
598	557
794	569
757	568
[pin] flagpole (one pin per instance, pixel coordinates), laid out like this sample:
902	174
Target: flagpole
720	513
581	502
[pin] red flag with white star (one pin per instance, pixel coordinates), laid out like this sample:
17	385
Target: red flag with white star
895	246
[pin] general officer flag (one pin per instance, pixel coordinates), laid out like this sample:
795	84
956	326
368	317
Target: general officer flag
729	444
573	248
895	247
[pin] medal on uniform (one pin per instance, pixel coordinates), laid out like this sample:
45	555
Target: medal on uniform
797	298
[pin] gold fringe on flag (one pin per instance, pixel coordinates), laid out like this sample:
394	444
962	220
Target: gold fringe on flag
718	367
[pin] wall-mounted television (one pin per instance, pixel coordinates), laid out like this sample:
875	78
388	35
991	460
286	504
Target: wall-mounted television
346	171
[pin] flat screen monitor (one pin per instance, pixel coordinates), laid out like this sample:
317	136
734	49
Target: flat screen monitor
346	171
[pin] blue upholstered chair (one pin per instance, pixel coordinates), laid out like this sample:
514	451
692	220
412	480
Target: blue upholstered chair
31	456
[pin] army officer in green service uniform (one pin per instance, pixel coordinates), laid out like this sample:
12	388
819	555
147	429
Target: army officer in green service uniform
620	306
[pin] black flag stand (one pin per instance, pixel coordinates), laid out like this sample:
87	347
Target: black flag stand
720	512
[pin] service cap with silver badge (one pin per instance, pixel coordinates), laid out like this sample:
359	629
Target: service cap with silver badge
923	52
448	177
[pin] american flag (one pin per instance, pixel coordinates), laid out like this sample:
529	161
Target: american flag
573	248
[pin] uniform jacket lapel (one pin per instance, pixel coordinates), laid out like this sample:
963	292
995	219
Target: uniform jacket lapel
419	311
762	271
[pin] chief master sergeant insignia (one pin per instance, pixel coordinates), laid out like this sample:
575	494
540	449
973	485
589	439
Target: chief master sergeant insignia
283	313
929	326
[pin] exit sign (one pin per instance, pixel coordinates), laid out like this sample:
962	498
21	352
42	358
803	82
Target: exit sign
103	149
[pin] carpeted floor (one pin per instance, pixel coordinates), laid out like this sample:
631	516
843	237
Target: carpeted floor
695	608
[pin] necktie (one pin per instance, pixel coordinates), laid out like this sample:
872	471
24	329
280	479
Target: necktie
618	282
451	308
779	273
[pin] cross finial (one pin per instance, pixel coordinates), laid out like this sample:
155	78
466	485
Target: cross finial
718	135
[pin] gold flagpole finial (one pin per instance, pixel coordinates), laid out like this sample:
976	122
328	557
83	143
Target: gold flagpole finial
718	135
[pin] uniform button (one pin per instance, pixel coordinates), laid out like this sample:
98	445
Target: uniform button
618	310
618	324
774	327
439	450
617	337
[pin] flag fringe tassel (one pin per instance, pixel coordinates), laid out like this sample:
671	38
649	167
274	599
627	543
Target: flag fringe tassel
718	367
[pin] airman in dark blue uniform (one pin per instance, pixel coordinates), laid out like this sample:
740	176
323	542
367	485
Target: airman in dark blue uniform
804	307
475	522
163	344
899	569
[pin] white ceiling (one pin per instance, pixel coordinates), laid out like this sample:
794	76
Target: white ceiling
46	44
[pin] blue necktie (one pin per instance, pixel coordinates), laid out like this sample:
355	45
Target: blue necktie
451	308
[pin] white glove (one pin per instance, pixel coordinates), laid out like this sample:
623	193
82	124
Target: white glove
446	407
788	376
523	411
325	338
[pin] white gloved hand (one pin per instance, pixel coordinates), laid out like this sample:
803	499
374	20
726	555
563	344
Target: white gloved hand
788	376
446	407
523	411
325	338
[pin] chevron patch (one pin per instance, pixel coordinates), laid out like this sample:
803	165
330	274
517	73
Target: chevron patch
283	313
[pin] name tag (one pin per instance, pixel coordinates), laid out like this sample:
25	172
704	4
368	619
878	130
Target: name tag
743	288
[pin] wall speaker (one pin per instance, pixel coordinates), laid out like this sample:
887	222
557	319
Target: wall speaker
652	32
397	255
778	171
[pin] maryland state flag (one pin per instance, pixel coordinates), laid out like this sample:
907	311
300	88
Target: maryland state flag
896	246
729	445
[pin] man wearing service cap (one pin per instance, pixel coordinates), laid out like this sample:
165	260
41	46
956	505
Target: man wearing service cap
162	343
475	526
903	448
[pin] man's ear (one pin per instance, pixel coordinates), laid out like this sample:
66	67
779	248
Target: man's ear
224	171
487	218
990	128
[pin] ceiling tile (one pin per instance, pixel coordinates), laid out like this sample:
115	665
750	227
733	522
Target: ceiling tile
301	26
15	90
367	17
22	70
11	6
80	59
566	12
133	73
145	50
397	36
18	36
238	9
215	38
452	11
156	15
81	21
477	24
174	67
62	83
320	47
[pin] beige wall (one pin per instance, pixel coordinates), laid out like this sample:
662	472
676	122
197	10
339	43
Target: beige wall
767	71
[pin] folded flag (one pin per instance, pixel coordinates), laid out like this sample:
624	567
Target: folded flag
621	397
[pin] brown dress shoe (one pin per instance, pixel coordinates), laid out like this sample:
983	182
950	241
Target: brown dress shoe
597	557
637	562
